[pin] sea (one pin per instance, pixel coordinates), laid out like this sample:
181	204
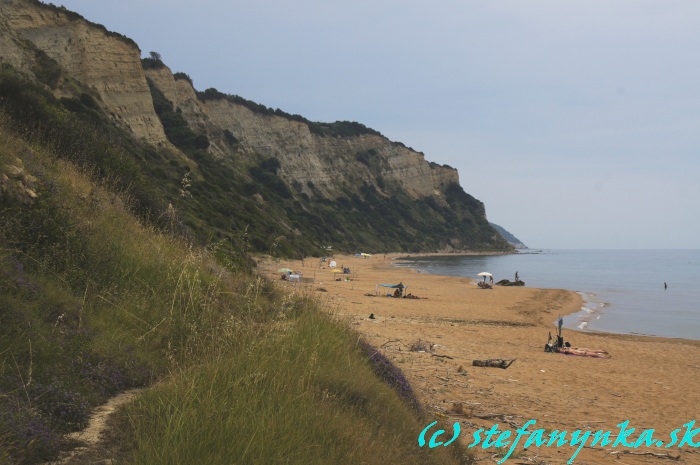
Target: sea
643	292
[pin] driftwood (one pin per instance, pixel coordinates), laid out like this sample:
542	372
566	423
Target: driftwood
390	342
443	356
652	454
491	416
493	363
500	416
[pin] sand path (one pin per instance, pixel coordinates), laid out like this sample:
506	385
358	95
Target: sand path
92	435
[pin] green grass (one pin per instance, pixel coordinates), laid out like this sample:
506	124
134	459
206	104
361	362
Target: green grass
92	301
95	300
301	393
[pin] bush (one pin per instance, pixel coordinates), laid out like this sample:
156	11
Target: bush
25	436
179	76
47	70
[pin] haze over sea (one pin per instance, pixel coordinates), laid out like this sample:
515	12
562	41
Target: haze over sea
623	289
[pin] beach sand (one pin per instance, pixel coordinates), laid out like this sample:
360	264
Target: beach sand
654	383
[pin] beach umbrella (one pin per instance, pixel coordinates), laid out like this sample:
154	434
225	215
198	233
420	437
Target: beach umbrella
284	270
485	274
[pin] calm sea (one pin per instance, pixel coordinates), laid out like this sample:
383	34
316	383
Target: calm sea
623	289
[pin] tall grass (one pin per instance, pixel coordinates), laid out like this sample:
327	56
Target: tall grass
94	301
302	393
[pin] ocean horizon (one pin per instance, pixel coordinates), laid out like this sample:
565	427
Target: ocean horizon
625	291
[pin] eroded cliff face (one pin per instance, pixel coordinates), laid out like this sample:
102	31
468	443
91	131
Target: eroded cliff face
105	63
328	162
111	67
328	181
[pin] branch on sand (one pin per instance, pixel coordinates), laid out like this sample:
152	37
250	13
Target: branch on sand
653	454
493	363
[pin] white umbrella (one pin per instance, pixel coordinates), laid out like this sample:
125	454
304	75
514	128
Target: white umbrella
485	274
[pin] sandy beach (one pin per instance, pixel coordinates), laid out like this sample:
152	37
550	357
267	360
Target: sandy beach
653	383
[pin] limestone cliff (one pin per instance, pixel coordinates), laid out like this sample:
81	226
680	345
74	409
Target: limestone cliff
305	157
301	177
107	64
110	65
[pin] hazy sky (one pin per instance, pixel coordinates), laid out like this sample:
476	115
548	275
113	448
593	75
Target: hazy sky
576	123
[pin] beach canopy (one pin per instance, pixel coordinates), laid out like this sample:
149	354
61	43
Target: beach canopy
391	286
284	270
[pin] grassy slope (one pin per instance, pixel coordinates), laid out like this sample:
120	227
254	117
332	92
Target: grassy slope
94	301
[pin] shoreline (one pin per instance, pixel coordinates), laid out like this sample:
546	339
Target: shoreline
652	382
595	315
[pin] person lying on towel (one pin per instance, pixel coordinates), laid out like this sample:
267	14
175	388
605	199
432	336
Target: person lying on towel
584	352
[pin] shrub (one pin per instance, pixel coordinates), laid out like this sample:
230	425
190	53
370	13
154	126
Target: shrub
390	374
179	76
47	70
25	434
230	138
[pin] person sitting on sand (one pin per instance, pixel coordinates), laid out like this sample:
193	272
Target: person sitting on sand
397	293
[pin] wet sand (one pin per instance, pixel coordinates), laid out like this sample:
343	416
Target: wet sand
652	382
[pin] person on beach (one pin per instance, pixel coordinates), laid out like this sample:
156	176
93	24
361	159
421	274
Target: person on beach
584	352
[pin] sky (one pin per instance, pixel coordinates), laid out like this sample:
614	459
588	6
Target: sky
576	123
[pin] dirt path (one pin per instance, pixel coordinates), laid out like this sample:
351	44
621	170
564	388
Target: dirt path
92	435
